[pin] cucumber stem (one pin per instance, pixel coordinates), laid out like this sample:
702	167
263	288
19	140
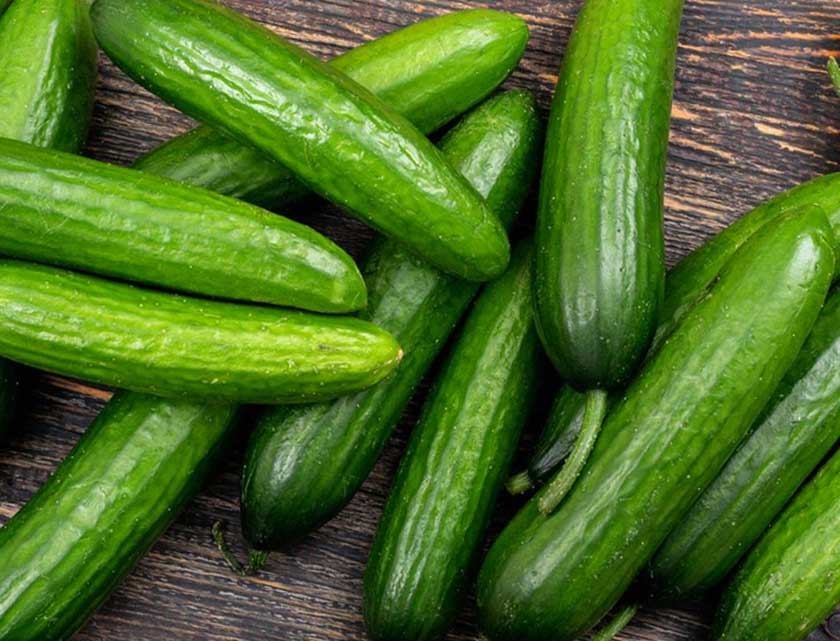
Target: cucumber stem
618	623
256	558
557	488
834	74
519	483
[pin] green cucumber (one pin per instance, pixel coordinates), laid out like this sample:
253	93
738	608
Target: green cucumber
455	465
554	577
337	136
122	485
48	58
4	5
84	214
430	72
684	285
790	582
286	490
798	429
167	345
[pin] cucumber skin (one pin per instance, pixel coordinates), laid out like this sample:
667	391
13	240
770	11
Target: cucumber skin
337	136
84	214
790	582
167	345
600	249
49	58
88	525
286	492
798	429
456	462
684	285
430	72
556	577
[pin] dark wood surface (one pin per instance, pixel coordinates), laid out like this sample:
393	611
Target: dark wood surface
753	114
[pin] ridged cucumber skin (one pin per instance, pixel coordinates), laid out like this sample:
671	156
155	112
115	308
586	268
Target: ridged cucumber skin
168	345
600	250
74	212
790	582
684	285
555	577
457	459
798	429
338	137
49	56
429	72
286	492
122	485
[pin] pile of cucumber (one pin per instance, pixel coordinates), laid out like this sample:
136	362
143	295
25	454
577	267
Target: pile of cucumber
690	445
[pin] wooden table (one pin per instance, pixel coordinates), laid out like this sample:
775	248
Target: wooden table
754	114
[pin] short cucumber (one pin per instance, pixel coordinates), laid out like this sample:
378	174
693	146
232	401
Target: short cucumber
118	490
343	141
798	429
48	58
89	215
430	72
164	344
555	577
790	582
455	465
286	490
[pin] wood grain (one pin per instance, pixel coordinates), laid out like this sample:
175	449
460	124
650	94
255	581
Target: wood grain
754	114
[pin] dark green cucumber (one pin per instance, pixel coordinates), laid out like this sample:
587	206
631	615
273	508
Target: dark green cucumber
79	213
286	490
4	5
342	140
48	58
600	253
118	490
429	72
790	582
167	345
455	465
684	286
555	577
798	429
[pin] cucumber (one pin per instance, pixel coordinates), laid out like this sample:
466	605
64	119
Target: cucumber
122	485
48	58
798	429
684	285
790	582
337	136
430	72
286	490
167	345
455	465
4	5
555	577
84	214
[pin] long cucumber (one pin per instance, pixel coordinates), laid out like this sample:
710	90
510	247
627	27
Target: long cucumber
554	577
339	138
286	490
80	213
455	465
430	72
168	345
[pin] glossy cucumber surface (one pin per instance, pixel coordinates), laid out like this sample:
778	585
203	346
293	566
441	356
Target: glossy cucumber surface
797	430
790	582
122	485
48	58
304	464
429	72
342	140
84	214
553	578
168	345
455	465
600	252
